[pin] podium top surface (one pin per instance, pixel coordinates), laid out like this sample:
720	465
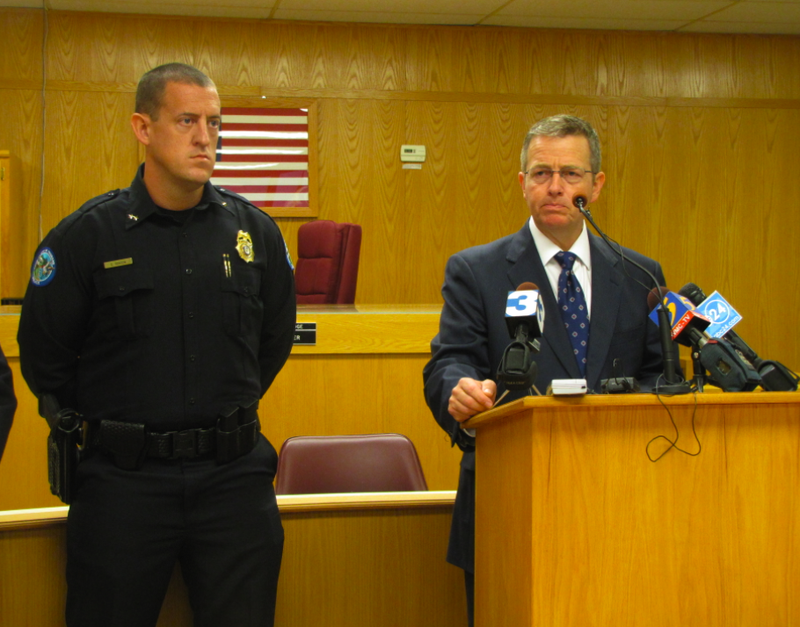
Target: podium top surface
593	401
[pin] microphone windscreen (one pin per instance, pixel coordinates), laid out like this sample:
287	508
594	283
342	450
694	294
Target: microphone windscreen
580	201
693	293
653	298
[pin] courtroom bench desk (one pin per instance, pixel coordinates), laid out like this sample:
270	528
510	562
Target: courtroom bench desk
349	559
364	375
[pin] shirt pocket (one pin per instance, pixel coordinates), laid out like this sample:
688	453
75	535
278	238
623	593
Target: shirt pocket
242	308
125	295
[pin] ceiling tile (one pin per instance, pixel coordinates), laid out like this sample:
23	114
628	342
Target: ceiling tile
241	8
724	16
22	4
377	17
755	28
419	7
679	10
577	22
773	12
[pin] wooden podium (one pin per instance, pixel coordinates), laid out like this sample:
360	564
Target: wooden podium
575	526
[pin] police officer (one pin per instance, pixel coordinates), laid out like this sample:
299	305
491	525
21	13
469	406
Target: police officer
162	313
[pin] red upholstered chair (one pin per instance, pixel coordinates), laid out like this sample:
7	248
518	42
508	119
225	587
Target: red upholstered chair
381	462
327	262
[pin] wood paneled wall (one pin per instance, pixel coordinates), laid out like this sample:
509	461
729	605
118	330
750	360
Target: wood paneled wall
699	136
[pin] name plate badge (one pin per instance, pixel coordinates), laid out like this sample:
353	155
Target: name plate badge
305	334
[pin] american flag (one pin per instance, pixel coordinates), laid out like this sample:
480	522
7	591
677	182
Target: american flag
262	154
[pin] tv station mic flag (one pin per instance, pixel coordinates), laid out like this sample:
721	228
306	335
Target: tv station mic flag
723	317
262	154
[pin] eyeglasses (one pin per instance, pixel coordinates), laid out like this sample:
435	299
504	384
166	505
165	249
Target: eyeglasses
570	175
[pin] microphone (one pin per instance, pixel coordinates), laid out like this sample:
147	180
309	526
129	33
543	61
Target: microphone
525	313
580	202
525	323
775	377
687	324
697	297
673	385
658	309
727	368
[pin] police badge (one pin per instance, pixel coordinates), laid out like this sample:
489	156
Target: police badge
244	246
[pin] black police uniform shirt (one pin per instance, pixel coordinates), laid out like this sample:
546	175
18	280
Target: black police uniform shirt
139	314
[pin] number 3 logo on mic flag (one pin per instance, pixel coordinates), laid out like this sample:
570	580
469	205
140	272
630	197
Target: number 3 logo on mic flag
525	303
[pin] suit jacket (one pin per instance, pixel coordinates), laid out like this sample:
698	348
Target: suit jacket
473	335
8	401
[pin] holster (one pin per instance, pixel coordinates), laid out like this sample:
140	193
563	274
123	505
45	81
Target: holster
237	432
63	453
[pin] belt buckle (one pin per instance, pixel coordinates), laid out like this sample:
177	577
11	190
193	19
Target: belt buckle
184	444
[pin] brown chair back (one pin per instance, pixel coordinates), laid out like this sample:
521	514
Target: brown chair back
381	462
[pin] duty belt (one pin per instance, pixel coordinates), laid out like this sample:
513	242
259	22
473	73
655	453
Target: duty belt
129	443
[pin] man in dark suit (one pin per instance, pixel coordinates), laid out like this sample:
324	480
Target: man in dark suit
8	401
560	160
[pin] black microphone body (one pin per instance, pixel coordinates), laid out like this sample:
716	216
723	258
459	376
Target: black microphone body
697	296
517	369
775	377
727	369
664	335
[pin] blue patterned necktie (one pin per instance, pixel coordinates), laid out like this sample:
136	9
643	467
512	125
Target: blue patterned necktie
573	308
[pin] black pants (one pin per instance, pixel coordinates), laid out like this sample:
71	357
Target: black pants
126	530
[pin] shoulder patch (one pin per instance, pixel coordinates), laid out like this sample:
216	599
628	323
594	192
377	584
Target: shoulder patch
288	255
44	268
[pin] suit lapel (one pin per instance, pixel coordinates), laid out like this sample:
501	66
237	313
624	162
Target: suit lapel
526	265
606	288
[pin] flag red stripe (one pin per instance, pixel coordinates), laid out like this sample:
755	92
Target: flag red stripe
269	189
284	203
253	174
263	126
262	112
242	141
266	204
262	159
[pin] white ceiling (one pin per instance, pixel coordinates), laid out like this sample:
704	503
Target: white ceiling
708	16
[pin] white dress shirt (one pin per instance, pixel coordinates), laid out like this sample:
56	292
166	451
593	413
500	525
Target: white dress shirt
582	269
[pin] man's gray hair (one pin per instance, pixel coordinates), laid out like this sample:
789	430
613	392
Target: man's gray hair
151	88
563	126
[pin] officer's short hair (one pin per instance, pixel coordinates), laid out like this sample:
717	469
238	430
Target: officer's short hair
563	126
151	88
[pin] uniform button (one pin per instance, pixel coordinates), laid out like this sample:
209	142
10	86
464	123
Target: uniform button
247	290
188	270
191	357
191	401
121	288
191	314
